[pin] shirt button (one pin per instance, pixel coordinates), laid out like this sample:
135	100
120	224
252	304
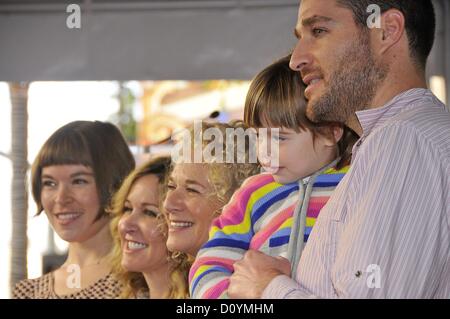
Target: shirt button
359	143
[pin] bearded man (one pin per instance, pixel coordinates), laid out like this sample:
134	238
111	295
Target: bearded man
385	232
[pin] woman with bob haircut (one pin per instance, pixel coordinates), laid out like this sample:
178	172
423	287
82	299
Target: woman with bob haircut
141	259
74	177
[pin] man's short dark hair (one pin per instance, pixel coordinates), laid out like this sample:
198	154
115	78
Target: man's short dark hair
420	22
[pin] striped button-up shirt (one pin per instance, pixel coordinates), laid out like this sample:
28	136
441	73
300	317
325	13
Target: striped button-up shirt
385	232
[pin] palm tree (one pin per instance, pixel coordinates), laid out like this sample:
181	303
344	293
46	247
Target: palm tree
19	193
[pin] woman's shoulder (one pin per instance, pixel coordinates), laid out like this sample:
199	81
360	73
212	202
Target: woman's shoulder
33	288
107	287
112	287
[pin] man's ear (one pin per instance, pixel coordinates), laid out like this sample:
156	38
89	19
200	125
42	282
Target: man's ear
391	30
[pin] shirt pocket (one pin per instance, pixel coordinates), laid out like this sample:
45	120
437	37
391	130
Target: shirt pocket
334	210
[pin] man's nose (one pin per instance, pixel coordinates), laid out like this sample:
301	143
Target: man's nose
300	56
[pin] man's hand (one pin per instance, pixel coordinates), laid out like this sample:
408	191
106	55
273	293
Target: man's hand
254	272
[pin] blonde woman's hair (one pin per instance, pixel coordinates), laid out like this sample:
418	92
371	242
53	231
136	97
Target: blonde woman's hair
226	176
134	282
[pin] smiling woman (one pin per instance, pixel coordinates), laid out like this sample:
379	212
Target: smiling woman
198	191
72	183
71	202
140	256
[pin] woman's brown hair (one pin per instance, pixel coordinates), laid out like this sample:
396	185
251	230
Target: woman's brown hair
98	145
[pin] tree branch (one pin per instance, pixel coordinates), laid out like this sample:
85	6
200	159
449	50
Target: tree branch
8	156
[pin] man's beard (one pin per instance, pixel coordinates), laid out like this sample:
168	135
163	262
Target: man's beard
352	86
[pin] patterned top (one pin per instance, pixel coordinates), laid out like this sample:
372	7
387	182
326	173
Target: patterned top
42	288
260	216
385	232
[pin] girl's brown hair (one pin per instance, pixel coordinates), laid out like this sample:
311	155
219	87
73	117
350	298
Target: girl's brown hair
276	98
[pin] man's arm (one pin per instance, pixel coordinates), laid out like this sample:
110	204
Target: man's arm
394	239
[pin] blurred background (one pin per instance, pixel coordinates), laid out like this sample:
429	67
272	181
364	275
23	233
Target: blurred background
150	67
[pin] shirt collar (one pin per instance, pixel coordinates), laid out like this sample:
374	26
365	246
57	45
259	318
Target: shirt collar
372	118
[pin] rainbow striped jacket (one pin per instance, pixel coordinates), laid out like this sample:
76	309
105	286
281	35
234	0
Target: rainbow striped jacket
260	216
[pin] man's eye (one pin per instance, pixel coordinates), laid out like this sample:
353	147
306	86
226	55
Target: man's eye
317	31
171	186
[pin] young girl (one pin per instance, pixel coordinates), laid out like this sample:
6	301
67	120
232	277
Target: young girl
275	212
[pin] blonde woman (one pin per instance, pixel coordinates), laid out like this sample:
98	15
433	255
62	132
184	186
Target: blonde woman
197	191
141	260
